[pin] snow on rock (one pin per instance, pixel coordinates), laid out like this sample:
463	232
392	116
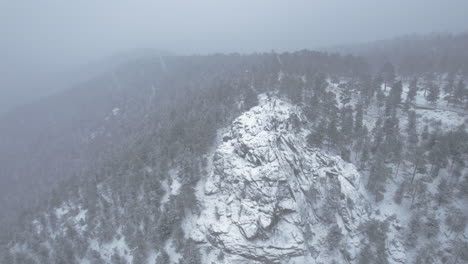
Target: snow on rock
270	198
175	187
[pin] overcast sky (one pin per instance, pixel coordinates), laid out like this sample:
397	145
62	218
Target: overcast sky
41	37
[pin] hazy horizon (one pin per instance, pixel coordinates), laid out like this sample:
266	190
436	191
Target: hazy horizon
43	40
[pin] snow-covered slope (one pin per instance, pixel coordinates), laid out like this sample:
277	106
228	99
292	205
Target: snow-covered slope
262	194
269	198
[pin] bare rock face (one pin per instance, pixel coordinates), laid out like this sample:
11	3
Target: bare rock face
271	199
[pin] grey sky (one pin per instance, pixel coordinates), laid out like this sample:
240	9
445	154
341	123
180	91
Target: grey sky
41	37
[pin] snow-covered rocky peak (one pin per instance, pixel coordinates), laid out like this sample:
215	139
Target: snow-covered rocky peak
269	198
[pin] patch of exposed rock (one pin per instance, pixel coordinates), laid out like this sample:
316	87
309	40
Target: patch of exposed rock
269	198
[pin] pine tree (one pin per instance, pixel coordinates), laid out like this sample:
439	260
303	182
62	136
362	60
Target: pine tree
320	83
414	226
330	105
456	220
312	110
346	122
438	154
377	83
429	82
117	259
443	192
250	99
388	74
425	133
380	98
395	93
364	156
460	250
390	108
434	93
332	133
358	123
399	193
413	89
163	258
412	133
460	92
419	193
334	237
367	90
374	250
315	139
425	255
431	226
292	88
378	135
191	254
378	175
449	88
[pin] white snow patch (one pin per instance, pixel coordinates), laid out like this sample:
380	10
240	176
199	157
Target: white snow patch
175	187
118	246
115	111
174	256
61	211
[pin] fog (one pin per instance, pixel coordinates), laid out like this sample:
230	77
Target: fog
233	131
43	41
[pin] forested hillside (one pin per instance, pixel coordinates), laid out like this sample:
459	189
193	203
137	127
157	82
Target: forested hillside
415	54
362	159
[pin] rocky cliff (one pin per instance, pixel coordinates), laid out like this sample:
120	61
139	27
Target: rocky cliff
269	198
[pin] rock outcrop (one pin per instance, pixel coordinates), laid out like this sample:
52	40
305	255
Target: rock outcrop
269	198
